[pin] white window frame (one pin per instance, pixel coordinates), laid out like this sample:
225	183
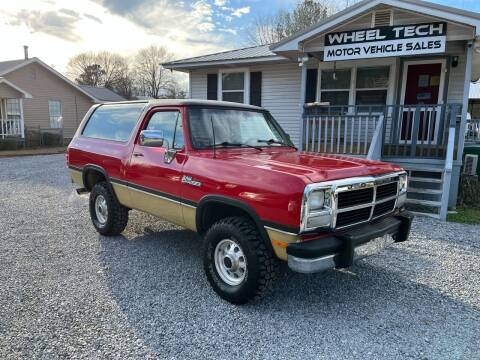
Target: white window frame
353	66
320	90
246	83
50	116
9	111
372	89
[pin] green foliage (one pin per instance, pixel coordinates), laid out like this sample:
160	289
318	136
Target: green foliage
466	216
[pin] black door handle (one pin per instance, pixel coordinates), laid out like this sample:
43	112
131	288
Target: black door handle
137	154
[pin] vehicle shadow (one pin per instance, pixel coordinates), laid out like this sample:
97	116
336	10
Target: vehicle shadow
157	280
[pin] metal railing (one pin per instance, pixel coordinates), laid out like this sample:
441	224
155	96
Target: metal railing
472	131
340	129
420	130
405	131
10	127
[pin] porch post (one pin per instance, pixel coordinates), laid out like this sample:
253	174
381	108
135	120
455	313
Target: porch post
22	122
466	91
303	90
3	113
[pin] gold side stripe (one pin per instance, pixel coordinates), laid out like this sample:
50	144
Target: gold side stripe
156	195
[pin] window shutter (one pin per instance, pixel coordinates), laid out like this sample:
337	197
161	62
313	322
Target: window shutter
256	88
212	86
311	91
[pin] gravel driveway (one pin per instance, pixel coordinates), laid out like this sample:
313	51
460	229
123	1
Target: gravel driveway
67	292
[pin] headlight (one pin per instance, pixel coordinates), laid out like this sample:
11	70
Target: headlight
316	200
316	210
403	183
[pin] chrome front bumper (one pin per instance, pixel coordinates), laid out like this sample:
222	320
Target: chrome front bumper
341	250
308	266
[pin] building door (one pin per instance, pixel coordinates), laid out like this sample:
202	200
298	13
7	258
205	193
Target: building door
422	99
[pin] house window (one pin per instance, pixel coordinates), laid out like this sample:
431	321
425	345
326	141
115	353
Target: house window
233	87
13	109
55	112
372	86
335	87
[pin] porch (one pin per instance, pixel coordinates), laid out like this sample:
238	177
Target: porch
427	140
12	124
11	119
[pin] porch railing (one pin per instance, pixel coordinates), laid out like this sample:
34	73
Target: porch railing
472	131
405	131
420	130
10	127
340	129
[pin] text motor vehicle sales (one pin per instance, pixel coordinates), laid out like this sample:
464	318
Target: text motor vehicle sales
386	41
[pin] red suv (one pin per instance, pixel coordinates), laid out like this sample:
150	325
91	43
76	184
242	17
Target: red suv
230	173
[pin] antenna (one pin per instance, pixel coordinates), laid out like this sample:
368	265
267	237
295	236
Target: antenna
214	141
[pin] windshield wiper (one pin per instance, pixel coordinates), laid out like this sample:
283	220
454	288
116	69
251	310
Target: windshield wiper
273	141
229	144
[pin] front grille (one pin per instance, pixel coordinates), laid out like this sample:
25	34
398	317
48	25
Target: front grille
384	208
355	206
353	217
355	197
387	190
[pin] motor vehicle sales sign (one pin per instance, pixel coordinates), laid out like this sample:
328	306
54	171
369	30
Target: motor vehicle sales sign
386	41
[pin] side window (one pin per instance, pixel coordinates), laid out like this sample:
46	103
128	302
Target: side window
170	124
113	122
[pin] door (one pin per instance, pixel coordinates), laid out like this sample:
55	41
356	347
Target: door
422	93
155	185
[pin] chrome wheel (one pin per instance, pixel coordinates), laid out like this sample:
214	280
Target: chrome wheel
230	262
101	209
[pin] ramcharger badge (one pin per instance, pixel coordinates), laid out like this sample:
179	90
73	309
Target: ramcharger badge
188	180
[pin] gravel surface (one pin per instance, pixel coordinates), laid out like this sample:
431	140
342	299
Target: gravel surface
66	292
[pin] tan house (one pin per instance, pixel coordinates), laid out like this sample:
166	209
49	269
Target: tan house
35	96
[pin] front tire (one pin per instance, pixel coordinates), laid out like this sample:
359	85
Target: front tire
108	216
237	262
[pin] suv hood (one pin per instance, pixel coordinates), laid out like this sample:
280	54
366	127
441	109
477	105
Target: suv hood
315	167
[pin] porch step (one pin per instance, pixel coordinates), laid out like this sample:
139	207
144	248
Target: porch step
424	179
418	213
435	204
424	191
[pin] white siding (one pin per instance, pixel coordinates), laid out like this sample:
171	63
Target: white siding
198	84
280	93
456	81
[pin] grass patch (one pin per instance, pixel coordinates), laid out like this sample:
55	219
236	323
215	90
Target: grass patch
466	216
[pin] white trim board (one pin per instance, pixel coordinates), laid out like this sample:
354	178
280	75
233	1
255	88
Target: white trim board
26	95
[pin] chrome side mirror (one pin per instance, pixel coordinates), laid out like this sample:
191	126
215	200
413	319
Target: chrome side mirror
151	138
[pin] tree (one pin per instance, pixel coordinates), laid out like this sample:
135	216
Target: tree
271	29
91	75
151	76
97	69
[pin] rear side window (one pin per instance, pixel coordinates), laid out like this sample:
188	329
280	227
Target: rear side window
113	122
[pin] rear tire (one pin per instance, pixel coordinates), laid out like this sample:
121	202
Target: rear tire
108	216
237	262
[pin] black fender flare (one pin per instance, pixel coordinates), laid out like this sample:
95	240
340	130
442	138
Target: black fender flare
101	170
225	200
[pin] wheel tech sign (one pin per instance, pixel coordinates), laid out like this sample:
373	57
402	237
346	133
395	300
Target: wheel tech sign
386	41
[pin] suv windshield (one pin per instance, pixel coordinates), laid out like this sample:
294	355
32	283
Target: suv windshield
234	128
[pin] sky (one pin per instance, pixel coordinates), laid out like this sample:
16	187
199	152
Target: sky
56	30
